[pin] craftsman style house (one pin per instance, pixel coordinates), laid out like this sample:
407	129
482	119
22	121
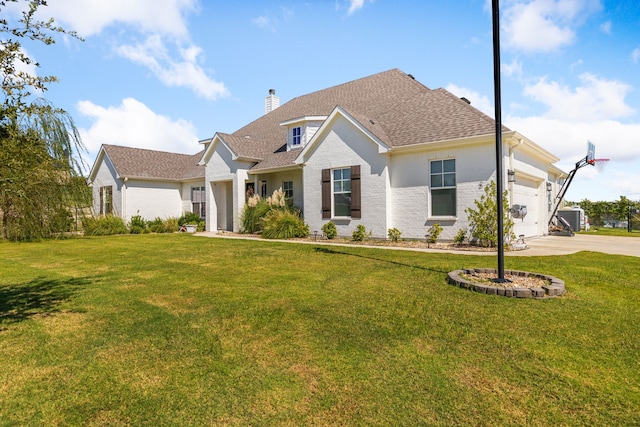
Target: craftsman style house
384	151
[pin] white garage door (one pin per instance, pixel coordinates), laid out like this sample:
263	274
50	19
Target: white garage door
525	192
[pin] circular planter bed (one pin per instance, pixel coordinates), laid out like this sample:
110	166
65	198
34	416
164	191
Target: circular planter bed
521	284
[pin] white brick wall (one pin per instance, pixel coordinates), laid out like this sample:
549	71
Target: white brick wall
105	176
345	146
221	168
151	199
410	188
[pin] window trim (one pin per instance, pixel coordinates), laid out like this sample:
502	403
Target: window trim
288	192
443	186
327	194
334	193
202	203
296	137
106	200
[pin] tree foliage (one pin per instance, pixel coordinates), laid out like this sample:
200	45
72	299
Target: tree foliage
40	147
483	220
600	212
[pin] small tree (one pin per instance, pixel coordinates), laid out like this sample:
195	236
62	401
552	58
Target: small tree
433	233
39	144
484	219
394	234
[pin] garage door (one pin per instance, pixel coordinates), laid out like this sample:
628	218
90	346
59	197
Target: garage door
525	192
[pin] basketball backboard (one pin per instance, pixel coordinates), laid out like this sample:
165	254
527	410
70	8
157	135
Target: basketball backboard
591	151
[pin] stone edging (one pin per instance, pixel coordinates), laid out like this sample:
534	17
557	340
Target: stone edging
555	287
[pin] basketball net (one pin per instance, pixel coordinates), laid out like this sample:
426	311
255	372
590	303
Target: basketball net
599	163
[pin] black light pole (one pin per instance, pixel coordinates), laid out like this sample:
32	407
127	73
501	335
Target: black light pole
495	7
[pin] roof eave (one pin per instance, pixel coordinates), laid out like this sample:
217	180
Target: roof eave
274	169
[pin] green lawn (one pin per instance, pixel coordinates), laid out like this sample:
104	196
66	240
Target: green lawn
604	231
185	330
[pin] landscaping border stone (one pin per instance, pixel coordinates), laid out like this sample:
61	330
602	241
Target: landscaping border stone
555	288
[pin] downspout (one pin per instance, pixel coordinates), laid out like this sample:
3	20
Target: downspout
512	149
124	198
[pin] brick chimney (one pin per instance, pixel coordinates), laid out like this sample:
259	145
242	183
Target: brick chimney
271	102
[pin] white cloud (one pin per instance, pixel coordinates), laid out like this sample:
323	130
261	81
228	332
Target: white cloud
90	17
596	99
606	27
544	25
355	5
183	72
635	55
514	69
263	22
271	21
568	140
133	124
478	101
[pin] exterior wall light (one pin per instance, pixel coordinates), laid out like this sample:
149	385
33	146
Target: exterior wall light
549	187
511	175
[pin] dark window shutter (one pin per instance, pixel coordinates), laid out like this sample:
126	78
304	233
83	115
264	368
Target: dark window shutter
101	200
326	193
109	207
356	210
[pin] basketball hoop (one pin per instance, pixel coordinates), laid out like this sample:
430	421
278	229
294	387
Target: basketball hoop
599	163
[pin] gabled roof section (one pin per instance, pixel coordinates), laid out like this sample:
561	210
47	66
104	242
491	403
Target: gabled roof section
392	105
150	164
365	125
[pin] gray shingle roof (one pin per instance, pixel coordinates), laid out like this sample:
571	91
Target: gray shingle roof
392	105
150	164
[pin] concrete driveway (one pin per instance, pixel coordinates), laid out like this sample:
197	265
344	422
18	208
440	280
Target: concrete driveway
562	245
539	246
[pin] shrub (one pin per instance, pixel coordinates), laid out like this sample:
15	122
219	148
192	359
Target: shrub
138	225
283	224
104	226
433	233
192	219
329	229
461	236
394	234
484	219
254	210
159	225
61	220
360	233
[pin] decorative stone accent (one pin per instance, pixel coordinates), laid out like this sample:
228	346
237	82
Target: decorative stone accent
555	288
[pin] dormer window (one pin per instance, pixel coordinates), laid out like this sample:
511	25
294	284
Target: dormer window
297	136
301	130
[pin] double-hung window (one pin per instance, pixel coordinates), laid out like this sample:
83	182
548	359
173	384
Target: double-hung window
342	192
297	136
287	189
198	201
443	187
106	200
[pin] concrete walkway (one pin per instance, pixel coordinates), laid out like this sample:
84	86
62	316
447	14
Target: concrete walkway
540	246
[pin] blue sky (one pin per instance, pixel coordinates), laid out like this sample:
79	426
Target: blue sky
162	74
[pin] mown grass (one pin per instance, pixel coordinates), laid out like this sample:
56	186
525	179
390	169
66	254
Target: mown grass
183	330
605	231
